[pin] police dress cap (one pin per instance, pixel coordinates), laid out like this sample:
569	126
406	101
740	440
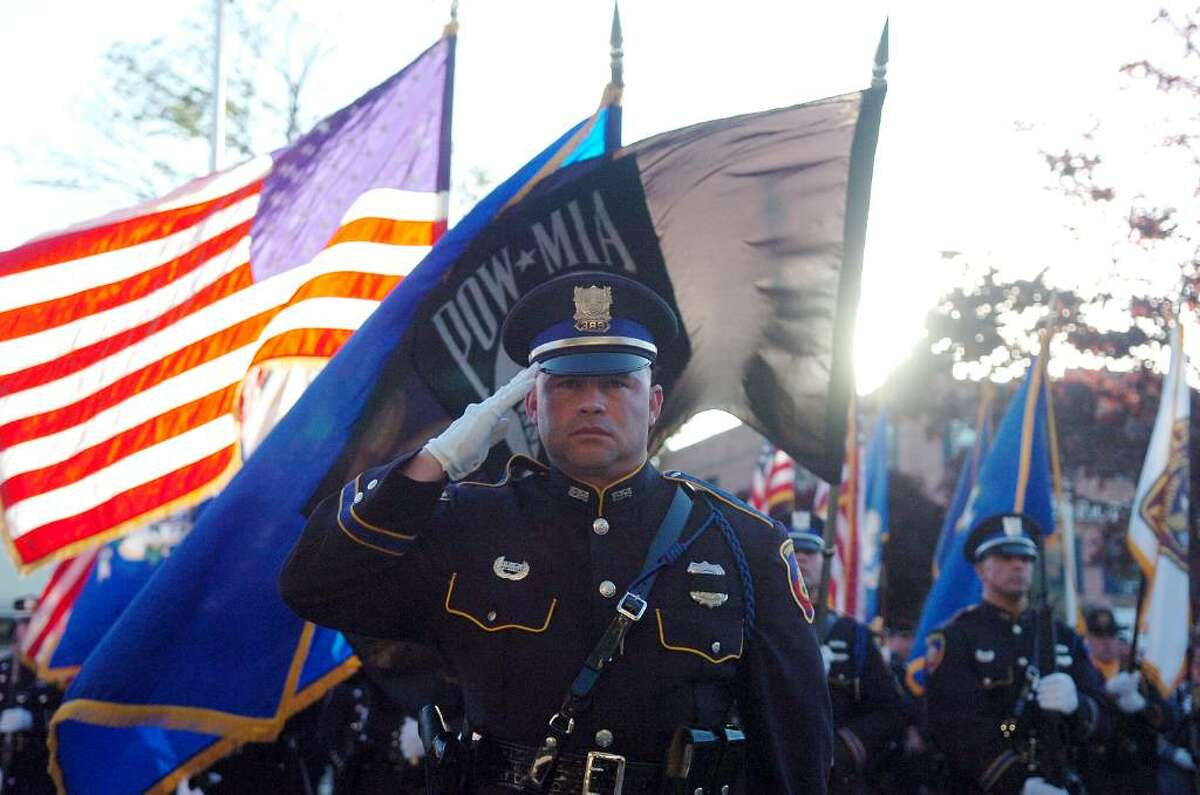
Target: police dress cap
1005	534
805	540
1101	622
589	322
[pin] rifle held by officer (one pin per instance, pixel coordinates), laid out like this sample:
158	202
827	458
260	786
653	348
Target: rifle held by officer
1048	741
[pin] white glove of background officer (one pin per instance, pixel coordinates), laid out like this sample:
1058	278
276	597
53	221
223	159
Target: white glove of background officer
410	741
1036	785
826	657
15	719
463	446
1124	689
1056	693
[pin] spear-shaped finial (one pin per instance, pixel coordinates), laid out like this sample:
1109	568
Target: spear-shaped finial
879	73
618	66
451	28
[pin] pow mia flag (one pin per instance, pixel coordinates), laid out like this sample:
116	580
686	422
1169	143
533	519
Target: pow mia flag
750	227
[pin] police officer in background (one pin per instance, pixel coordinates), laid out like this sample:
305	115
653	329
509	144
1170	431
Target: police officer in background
27	703
576	673
983	708
868	711
1128	760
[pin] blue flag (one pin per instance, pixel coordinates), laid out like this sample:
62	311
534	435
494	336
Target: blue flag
112	576
207	655
967	476
1015	476
875	516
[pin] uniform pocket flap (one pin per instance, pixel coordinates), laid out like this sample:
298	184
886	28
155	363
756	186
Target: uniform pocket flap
717	639
494	606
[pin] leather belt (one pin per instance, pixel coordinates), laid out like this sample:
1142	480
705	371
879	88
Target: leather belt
595	773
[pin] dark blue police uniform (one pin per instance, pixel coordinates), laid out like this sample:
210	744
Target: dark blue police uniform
868	710
515	582
977	665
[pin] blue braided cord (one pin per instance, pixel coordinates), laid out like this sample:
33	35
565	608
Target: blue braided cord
673	553
743	566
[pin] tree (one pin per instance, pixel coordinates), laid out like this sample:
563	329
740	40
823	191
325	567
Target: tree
149	132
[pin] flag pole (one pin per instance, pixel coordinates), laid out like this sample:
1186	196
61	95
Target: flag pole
616	83
828	536
216	158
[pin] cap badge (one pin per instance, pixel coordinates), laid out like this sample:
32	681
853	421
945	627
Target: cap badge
1012	526
593	308
510	569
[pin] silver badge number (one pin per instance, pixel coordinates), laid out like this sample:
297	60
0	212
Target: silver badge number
705	567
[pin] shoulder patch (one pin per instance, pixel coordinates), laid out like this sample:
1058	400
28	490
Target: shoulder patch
935	650
719	493
796	581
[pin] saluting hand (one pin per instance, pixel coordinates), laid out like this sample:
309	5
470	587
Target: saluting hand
463	446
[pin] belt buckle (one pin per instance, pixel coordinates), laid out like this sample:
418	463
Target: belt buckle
600	762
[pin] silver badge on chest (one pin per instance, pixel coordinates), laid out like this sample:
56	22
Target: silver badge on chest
510	569
709	598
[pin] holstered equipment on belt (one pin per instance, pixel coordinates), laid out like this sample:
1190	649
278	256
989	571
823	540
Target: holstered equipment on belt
703	761
447	762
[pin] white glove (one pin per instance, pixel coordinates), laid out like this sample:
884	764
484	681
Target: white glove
461	448
15	719
1056	693
1036	785
1124	689
410	741
826	657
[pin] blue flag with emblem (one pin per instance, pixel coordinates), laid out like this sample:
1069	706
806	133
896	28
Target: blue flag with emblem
875	516
1014	477
208	656
967	476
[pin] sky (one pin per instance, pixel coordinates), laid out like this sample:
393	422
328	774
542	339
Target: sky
975	94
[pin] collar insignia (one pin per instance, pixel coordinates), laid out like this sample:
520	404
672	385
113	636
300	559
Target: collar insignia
710	599
510	569
580	494
705	568
621	494
593	307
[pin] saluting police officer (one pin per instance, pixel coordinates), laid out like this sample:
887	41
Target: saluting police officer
982	706
545	582
868	711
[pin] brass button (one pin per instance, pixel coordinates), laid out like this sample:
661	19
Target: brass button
604	738
608	589
600	526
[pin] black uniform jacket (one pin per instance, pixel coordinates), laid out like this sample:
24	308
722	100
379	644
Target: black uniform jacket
515	582
976	665
868	711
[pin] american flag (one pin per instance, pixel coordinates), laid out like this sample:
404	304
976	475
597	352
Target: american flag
774	482
127	342
845	568
49	619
